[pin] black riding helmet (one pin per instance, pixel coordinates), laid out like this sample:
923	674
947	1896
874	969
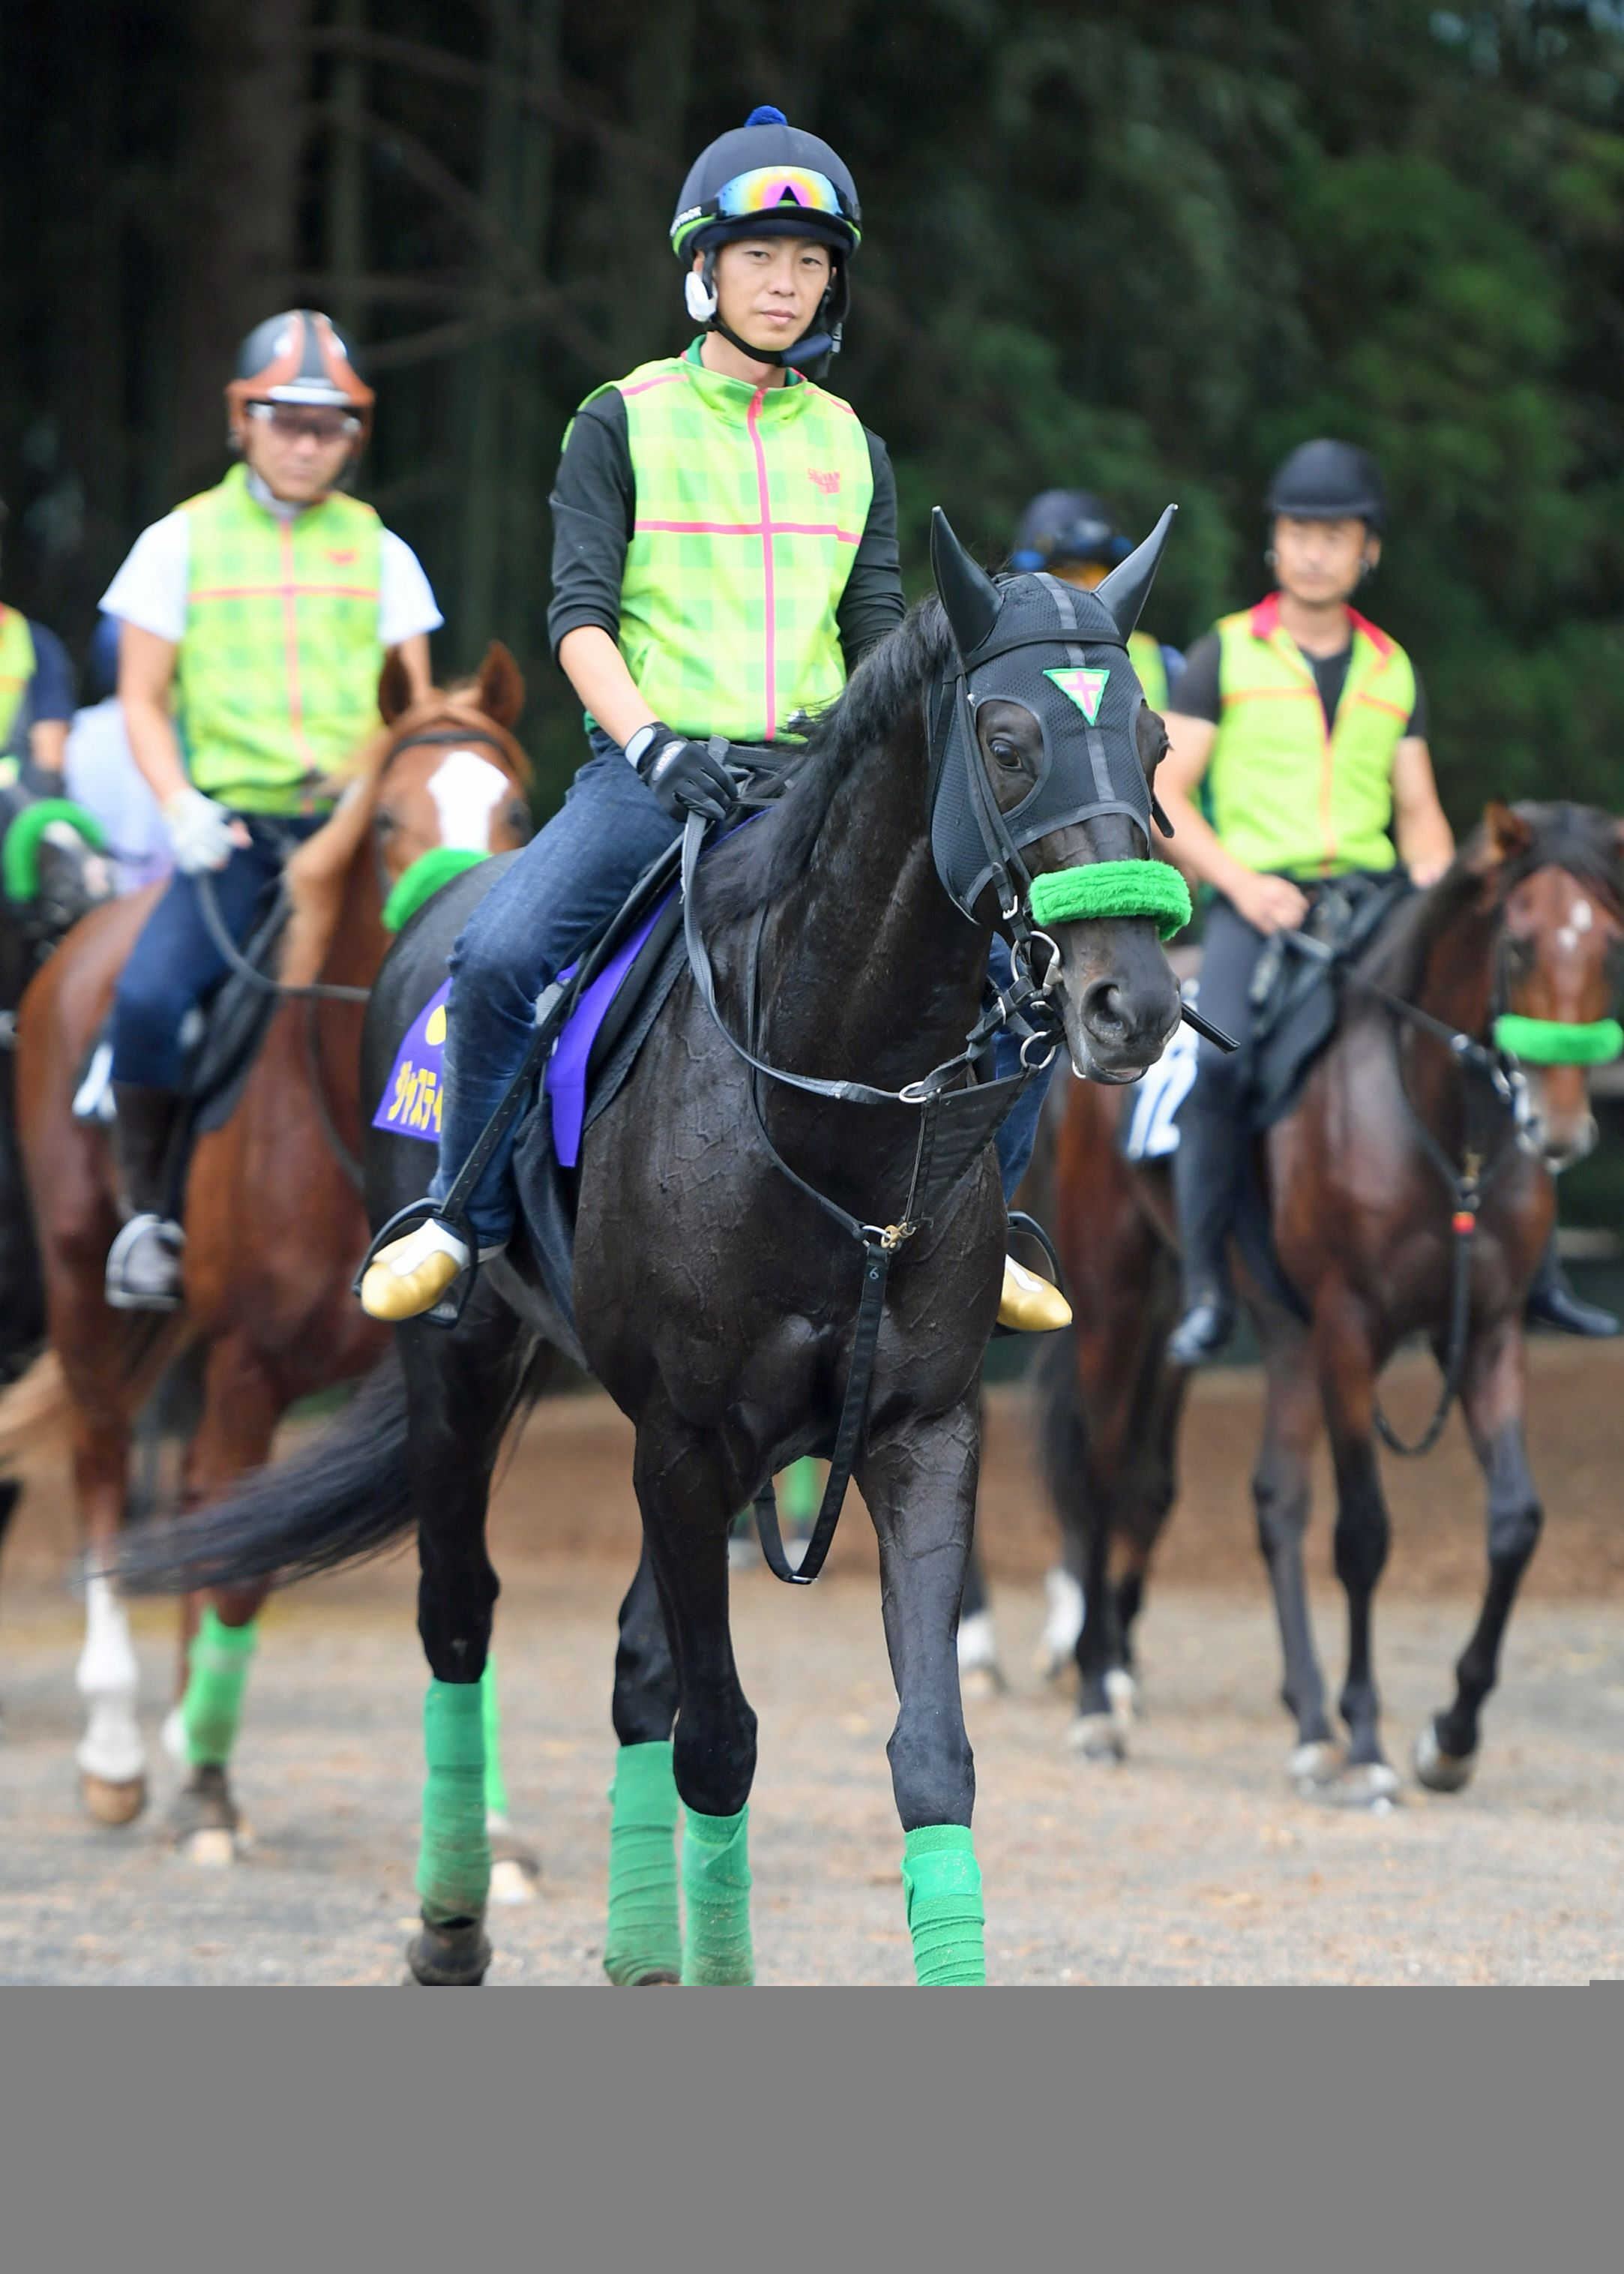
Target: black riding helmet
1061	525
1329	481
767	178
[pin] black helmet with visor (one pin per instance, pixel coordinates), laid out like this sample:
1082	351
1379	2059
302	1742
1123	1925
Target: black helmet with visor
1327	480
768	179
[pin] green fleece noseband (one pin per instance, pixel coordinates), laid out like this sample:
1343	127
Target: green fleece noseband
1113	888
1549	1042
420	883
20	857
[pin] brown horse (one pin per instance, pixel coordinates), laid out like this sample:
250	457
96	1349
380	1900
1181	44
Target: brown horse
274	1220
1366	1223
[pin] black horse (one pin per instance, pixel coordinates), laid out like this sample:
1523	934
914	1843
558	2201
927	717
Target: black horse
957	773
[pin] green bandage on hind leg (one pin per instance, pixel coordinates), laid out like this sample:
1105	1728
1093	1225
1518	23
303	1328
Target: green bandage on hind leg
454	1861
490	1721
942	1884
217	1674
644	1938
715	1898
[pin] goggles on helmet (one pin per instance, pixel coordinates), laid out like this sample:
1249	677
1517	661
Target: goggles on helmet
775	193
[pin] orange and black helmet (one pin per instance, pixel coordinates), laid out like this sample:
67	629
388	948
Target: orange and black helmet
298	356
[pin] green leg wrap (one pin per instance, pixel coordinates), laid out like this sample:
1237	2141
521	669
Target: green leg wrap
803	1490
941	1883
716	1894
454	1861
491	1717
644	1940
216	1678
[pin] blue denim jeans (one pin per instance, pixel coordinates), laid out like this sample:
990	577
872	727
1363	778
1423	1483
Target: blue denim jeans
175	963
550	906
1019	1132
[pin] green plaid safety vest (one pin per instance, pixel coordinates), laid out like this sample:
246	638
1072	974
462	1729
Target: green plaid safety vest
277	673
16	664
1287	794
750	506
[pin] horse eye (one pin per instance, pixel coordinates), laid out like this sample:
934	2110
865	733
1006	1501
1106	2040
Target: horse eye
1004	751
384	821
519	819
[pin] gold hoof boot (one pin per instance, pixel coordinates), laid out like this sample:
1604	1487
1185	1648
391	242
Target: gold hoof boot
409	1276
1031	1305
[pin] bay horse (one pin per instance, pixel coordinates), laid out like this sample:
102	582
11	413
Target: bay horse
1518	946
274	1215
710	1298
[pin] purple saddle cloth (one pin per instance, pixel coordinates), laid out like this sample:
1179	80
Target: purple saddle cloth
410	1104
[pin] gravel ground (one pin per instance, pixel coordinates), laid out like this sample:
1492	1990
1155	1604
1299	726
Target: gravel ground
1194	1862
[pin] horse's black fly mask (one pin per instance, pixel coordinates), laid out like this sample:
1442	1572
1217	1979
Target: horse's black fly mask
1060	653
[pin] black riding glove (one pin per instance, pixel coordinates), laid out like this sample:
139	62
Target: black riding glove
684	775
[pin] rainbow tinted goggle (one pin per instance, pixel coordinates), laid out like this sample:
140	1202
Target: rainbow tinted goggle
772	191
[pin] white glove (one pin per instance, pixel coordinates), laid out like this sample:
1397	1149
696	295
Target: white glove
199	830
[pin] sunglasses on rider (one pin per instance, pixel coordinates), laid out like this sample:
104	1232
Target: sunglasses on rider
289	424
770	189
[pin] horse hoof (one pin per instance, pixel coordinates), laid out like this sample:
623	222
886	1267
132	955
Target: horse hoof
111	1804
979	1683
205	1826
457	1954
1098	1737
1370	1785
213	1851
1315	1763
1437	1770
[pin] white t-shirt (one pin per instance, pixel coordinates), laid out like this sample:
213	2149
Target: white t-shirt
150	590
101	774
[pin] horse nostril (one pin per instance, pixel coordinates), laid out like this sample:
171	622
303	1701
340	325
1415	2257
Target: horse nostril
1103	1012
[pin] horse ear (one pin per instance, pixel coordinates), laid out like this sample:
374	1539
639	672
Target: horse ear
1504	832
969	596
1125	591
393	688
500	686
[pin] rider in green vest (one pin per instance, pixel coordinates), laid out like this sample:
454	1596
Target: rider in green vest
1309	726
725	552
254	623
36	702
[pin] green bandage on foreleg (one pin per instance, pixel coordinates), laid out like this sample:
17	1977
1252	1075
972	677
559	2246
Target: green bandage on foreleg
942	1885
1102	889
644	1938
217	1674
454	1861
803	1490
491	1720
715	1898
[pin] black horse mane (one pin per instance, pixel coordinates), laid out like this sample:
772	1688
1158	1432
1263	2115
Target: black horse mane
1577	838
758	864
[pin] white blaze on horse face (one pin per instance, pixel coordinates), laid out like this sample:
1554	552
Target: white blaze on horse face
1581	916
466	789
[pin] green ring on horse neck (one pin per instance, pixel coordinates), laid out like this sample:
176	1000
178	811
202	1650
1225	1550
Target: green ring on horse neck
20	857
1113	888
1548	1041
417	884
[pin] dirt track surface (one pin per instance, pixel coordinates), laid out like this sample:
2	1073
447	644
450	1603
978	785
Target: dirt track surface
1194	1863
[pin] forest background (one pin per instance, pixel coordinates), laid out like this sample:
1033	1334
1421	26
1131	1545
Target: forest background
1144	248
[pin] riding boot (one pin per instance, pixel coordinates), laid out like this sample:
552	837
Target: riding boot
143	1264
1553	1301
1208	1168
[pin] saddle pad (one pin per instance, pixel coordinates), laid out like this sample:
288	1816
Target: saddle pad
1150	1132
410	1104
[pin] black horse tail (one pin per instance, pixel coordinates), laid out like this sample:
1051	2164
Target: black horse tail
1064	1435
344	1496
